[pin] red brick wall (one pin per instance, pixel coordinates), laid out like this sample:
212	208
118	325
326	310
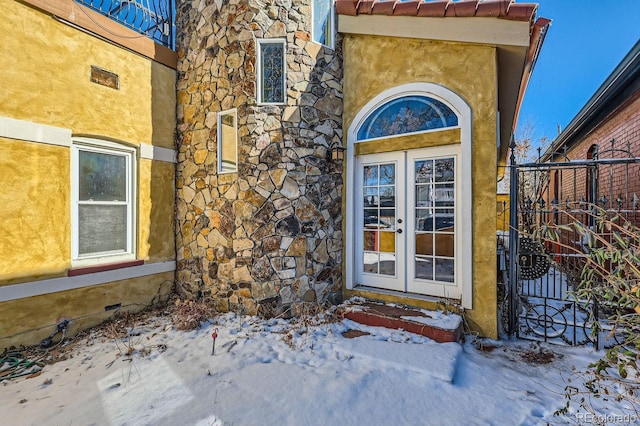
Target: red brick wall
623	126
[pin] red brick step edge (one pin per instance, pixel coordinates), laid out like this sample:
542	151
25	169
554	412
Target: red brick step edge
440	335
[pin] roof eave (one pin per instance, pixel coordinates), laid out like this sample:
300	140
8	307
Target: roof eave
511	107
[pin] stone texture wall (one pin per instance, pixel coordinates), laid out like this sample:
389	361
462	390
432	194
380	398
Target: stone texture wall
270	233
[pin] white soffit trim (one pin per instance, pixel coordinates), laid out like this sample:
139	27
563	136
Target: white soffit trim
33	132
490	31
37	288
158	153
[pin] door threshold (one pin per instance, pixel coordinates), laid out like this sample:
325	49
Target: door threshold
413	296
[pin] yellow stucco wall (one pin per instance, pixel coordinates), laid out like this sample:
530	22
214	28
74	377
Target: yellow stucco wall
156	192
45	79
36	218
374	64
29	320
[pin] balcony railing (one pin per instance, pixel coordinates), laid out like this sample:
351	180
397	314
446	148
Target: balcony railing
152	18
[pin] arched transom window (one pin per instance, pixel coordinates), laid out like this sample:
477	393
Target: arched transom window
408	114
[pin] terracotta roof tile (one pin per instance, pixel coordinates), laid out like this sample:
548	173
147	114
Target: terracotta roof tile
493	8
407	8
366	6
507	9
435	9
384	7
521	11
466	8
347	7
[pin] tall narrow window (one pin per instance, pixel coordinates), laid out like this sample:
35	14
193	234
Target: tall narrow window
228	141
271	71
103	208
323	22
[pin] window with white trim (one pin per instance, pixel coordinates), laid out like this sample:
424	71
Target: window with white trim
228	141
272	88
323	22
103	202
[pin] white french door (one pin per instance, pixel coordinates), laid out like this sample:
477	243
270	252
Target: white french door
407	234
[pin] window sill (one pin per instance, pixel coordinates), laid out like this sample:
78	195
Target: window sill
105	267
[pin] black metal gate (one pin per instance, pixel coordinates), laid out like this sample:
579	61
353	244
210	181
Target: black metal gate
542	274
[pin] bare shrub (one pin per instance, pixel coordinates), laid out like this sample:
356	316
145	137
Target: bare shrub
189	314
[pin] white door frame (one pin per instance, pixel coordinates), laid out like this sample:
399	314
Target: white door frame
463	111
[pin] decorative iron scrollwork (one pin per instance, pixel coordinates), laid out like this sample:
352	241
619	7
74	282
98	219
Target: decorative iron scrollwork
152	18
532	259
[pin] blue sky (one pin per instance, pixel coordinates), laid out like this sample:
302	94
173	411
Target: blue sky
586	41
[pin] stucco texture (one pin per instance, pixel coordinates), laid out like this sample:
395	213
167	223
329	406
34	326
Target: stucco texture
156	195
34	201
374	64
46	79
34	318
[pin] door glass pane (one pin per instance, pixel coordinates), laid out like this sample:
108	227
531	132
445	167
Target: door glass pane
370	240
424	244
424	171
387	196
423	195
371	261
443	195
387	263
387	174
388	242
424	219
370	175
101	228
387	218
444	245
371	197
445	220
444	270
424	268
102	177
370	218
444	170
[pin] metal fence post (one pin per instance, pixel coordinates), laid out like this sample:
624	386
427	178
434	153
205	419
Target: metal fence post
513	240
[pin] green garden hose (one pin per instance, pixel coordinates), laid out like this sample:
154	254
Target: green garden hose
16	364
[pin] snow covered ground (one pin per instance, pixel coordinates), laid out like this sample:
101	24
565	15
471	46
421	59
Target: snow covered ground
276	372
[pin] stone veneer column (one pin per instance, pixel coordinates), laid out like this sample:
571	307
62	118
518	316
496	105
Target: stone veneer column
271	232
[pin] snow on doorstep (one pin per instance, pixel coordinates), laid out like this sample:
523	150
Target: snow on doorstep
437	319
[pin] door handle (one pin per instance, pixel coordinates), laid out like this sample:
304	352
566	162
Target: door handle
399	231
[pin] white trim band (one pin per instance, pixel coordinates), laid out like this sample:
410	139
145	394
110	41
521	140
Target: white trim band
38	288
34	132
158	153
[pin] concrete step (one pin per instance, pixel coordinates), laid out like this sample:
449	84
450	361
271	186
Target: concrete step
436	325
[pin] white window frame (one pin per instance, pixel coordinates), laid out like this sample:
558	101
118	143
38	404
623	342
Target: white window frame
259	43
221	114
111	148
332	24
